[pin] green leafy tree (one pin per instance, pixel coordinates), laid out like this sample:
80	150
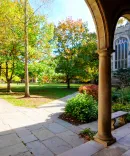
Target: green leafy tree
87	51
27	21
10	45
13	38
73	43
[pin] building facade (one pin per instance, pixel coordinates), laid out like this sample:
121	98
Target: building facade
121	56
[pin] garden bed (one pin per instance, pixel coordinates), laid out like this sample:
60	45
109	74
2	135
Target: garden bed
87	134
70	119
80	109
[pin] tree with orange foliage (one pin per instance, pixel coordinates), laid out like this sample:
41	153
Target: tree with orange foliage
72	38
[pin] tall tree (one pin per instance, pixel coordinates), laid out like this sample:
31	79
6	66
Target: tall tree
10	44
72	38
27	20
12	36
89	49
27	93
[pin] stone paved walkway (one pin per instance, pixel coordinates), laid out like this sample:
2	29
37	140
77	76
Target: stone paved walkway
39	132
92	148
36	131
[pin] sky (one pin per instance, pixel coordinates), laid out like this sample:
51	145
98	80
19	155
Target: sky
58	10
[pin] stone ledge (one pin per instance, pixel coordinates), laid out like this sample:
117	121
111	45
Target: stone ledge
88	149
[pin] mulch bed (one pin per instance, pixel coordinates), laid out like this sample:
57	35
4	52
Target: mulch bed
85	137
70	119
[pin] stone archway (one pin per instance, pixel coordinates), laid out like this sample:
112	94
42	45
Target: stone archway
105	17
104	50
100	23
106	14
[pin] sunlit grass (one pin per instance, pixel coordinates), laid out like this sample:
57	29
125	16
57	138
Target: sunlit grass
39	94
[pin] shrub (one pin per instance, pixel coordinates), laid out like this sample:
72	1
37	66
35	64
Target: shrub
87	134
121	107
121	95
124	76
127	98
128	117
90	89
115	97
83	107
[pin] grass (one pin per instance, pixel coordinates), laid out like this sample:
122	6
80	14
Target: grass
39	94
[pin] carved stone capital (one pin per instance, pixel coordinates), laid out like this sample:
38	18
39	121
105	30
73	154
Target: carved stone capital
105	52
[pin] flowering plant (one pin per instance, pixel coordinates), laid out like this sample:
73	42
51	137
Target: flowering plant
90	89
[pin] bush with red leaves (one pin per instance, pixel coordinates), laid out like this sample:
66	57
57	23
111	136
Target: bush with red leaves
90	89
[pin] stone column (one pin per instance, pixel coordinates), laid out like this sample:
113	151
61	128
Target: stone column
104	99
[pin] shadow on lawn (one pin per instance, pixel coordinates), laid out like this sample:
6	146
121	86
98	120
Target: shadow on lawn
20	95
45	92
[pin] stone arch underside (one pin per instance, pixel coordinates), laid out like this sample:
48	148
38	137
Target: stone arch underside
119	9
100	23
106	16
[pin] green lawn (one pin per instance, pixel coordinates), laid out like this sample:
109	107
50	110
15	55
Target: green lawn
39	94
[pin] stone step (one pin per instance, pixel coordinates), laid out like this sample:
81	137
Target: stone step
86	149
126	153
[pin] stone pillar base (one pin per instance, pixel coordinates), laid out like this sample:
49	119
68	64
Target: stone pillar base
106	143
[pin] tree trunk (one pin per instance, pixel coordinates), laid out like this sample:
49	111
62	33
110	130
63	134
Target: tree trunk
0	69
35	80
27	94
8	80
68	82
8	86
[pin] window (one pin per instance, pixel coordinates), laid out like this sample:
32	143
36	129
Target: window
122	49
121	52
116	52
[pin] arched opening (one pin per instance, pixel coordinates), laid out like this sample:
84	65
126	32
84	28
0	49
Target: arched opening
18	120
121	44
58	13
100	23
105	49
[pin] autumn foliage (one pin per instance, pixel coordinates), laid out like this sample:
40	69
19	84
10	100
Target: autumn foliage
74	44
90	89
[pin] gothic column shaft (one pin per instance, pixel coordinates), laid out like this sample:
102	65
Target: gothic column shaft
104	99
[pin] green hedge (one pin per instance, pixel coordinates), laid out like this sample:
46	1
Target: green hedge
121	107
83	107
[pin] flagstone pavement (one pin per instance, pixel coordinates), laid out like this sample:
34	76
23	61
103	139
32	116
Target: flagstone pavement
39	132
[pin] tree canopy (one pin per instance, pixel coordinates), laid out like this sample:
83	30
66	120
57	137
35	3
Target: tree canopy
64	51
12	37
75	49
